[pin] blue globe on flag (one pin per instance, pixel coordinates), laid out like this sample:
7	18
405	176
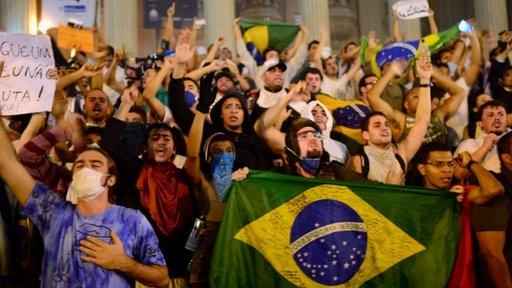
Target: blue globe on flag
329	242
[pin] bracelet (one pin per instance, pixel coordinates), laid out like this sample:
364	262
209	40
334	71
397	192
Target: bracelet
424	85
471	162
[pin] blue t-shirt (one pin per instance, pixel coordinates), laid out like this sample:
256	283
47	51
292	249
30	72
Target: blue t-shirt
63	227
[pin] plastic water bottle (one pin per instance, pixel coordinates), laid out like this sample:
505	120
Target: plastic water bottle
193	237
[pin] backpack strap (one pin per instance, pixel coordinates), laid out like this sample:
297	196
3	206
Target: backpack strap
400	161
365	163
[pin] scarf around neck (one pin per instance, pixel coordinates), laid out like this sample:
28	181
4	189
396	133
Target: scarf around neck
164	194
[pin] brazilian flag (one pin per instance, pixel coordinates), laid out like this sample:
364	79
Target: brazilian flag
288	231
261	34
404	50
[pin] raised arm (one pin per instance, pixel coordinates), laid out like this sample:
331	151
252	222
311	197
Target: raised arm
88	70
13	173
233	68
241	49
451	105
194	138
168	34
378	104
397	34
111	80
458	51
300	56
149	94
432	22
215	48
410	145
317	57
476	59
489	187
215	65
127	101
265	126
296	45
36	123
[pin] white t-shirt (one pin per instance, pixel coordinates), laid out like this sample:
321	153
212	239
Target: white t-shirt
491	160
334	88
460	119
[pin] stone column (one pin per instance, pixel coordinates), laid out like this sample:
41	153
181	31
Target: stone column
316	18
121	25
492	15
18	16
411	28
219	15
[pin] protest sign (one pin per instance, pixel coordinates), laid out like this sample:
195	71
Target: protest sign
411	9
25	83
80	39
60	12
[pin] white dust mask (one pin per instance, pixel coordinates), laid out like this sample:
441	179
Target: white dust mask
86	185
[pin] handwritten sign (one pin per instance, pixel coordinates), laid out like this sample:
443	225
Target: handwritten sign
25	83
411	9
81	39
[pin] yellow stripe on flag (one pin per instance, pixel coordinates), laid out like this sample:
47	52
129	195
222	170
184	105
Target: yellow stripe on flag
258	35
270	235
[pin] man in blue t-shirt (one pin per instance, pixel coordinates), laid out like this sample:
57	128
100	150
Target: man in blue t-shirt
88	241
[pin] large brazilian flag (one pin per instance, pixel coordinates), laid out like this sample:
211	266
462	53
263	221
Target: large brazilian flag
288	231
260	34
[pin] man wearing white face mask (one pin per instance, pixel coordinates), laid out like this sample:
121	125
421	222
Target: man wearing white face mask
93	243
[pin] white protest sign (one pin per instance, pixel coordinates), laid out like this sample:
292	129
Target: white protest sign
25	83
411	9
56	12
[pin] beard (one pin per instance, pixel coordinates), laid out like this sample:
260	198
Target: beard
315	153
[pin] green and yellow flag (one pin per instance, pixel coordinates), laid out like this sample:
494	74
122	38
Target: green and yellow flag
287	231
261	34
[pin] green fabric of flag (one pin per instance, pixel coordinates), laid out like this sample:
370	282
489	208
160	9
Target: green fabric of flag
289	231
266	33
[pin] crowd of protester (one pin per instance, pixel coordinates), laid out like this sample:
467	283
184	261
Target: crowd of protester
108	188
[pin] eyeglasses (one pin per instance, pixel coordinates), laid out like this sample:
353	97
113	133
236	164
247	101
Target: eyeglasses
307	134
441	164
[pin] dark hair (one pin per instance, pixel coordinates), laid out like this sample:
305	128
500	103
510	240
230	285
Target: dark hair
311	70
96	89
366	120
269	49
216	137
97	130
111	165
324	61
139	110
292	149
216	111
190	79
492	103
442	65
312	43
504	72
348	44
425	150
414	177
504	144
110	50
177	138
436	58
436	92
494	52
362	82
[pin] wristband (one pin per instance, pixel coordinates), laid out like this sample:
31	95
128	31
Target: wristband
471	162
424	85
